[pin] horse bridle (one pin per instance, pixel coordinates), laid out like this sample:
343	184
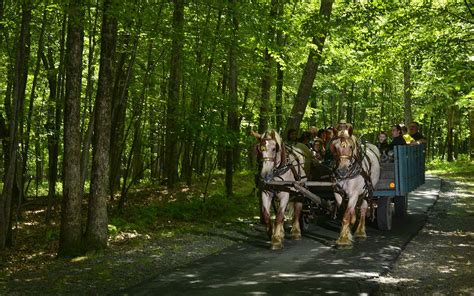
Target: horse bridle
262	147
344	143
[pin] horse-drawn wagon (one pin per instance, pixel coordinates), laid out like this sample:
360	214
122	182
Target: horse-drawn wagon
326	187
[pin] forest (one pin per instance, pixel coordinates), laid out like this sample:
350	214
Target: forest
103	96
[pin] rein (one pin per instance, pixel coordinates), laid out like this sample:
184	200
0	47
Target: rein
284	165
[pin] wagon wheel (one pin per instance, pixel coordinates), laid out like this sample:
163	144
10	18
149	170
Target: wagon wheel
384	213
306	217
401	205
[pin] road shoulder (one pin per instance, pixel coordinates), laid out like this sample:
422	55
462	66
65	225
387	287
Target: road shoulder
439	259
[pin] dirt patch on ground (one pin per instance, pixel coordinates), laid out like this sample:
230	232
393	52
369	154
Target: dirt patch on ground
440	259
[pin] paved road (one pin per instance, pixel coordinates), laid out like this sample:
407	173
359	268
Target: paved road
307	267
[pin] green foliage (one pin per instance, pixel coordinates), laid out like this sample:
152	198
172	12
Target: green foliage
460	170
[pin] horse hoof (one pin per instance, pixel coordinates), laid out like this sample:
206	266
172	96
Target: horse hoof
277	247
360	236
344	247
344	243
296	237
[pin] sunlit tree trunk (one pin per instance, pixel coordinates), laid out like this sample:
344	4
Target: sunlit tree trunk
70	241
311	67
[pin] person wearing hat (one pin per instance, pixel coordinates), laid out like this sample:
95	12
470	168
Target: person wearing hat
343	126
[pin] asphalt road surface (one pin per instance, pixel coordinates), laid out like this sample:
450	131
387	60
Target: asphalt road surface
307	267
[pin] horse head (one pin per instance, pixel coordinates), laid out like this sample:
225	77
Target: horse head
344	149
270	150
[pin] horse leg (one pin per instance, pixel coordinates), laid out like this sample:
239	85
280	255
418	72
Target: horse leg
279	232
266	203
345	236
360	231
295	228
338	198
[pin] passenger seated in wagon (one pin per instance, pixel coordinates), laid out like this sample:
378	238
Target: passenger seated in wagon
397	139
416	134
383	146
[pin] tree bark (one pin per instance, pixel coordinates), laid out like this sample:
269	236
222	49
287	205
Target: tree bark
32	98
232	116
471	133
171	156
450	148
55	84
19	87
311	67
70	241
87	134
267	70
280	39
407	95
96	233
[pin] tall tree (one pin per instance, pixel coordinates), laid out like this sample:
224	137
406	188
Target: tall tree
70	241
96	232
19	88
267	69
311	67
407	93
171	153
232	116
471	133
55	79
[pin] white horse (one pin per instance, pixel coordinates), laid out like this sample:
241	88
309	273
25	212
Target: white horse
357	172
278	164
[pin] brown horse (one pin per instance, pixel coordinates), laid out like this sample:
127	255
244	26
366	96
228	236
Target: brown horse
356	174
279	165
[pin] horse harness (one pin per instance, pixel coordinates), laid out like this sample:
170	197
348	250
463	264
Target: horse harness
355	170
285	164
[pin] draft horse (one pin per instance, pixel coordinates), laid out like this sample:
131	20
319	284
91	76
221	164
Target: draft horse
357	171
279	163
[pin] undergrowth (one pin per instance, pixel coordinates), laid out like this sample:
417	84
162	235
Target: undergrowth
460	170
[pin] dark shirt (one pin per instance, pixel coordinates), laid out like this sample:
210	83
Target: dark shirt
397	141
418	136
383	147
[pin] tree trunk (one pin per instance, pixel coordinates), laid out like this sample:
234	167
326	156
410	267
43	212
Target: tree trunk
70	241
279	97
280	39
309	73
119	104
341	107
53	124
232	116
451	113
32	98
96	233
171	156
19	87
267	71
137	161
407	92
87	134
471	133
350	105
